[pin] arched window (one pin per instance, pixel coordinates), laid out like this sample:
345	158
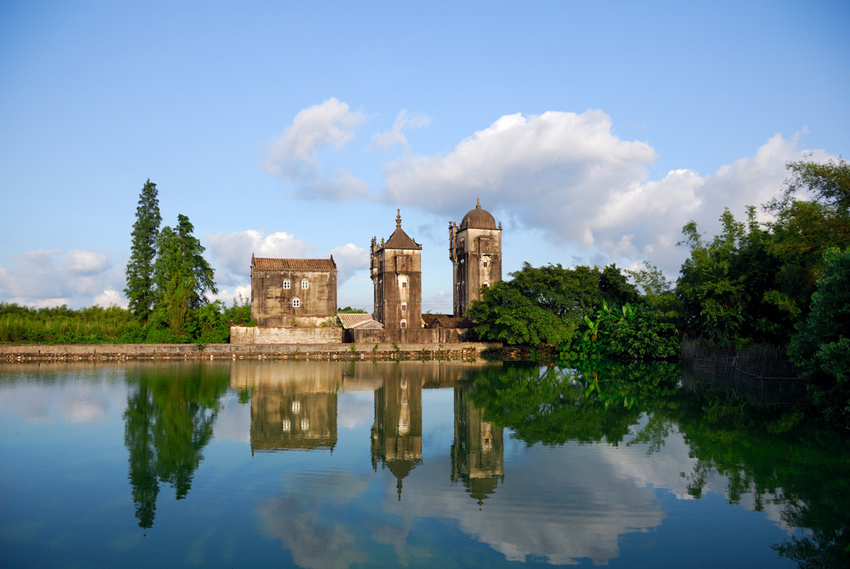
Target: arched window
305	284
404	307
287	285
404	323
296	303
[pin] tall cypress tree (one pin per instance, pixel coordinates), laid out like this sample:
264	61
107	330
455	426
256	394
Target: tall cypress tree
140	269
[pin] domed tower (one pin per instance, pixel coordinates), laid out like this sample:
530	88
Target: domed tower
475	248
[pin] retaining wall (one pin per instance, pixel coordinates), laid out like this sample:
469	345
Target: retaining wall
337	351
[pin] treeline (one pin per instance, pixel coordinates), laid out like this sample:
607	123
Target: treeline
785	283
114	325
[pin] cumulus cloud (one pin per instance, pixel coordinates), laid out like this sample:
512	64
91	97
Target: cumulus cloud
570	176
294	156
349	258
46	278
231	255
231	252
395	136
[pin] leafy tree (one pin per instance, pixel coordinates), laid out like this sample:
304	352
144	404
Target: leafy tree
712	295
821	345
182	276
546	305
140	268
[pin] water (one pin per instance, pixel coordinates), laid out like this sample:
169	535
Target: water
416	464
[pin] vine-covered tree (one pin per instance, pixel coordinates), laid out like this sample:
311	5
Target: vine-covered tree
181	274
140	269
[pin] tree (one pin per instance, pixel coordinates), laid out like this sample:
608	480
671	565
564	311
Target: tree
546	305
140	269
821	345
181	274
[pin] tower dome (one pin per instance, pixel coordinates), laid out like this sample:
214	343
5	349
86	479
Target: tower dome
478	218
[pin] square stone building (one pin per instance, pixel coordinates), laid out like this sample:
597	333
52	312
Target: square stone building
293	292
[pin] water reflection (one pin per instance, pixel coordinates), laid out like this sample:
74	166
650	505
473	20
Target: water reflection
418	464
169	420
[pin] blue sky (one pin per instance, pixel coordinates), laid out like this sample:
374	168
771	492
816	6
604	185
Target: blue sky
593	130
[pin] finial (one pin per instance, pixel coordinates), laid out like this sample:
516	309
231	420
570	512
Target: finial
477	203
398	219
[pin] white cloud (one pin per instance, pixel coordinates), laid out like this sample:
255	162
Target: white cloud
110	297
395	136
294	156
231	252
568	175
46	278
349	258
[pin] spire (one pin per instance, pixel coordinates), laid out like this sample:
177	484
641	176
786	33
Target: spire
477	203
398	219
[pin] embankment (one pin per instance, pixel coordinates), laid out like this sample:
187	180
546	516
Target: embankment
95	352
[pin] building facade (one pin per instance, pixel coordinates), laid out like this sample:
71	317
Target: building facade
475	249
293	292
396	270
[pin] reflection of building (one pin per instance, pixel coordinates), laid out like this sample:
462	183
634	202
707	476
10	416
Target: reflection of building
478	453
287	419
397	431
292	406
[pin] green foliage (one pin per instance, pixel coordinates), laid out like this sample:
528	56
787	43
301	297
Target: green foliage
168	421
545	305
821	345
61	325
633	332
349	310
182	277
140	267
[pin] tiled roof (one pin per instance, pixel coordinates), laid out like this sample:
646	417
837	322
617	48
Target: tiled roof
265	263
349	320
400	240
446	321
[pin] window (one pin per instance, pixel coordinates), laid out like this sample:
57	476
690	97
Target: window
305	284
486	264
287	285
296	303
404	323
403	284
404	307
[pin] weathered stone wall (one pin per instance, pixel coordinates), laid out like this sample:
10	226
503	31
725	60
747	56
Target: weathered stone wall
258	335
337	351
272	304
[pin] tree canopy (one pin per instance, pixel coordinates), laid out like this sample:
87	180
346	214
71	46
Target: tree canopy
140	268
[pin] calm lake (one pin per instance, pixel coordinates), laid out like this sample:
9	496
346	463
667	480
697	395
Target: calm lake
414	464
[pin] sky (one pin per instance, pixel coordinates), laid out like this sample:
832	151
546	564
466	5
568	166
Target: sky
593	131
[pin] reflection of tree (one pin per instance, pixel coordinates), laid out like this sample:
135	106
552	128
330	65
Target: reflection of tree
554	406
168	421
766	453
804	470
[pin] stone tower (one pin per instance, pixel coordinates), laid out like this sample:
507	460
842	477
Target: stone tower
396	268
475	248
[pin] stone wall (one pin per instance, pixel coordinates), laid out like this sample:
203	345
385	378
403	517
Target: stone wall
258	335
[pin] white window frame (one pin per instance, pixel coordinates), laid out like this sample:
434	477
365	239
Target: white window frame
287	284
296	302
305	284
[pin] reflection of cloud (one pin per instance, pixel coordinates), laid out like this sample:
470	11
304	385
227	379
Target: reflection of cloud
535	512
70	402
355	410
234	420
316	542
305	520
